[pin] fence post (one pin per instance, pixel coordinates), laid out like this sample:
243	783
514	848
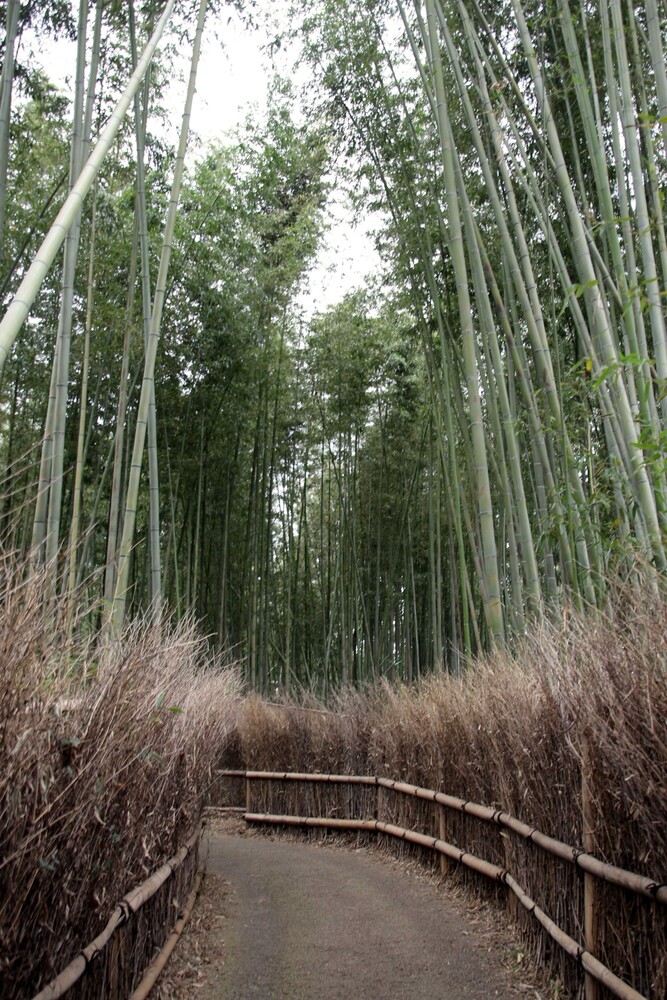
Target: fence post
247	794
512	901
379	808
590	884
445	864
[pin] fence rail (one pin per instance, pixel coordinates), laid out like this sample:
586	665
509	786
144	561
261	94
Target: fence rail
594	869
126	908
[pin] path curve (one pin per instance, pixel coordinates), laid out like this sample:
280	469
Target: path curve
306	921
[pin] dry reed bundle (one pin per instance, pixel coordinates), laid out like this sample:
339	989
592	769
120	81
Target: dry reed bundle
106	757
516	733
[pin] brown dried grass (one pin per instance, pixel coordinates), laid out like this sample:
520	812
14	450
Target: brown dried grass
511	734
105	760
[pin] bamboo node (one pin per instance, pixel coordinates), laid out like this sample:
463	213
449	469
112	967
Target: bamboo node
89	953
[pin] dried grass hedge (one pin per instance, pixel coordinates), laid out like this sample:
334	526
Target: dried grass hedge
512	734
105	760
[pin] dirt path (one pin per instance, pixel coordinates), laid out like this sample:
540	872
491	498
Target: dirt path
303	921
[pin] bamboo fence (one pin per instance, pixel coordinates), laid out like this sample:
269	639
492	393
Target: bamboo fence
596	974
110	965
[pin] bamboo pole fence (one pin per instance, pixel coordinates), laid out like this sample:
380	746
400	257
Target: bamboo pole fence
152	973
594	869
129	905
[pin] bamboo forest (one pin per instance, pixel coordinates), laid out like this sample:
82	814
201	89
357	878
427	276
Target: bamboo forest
471	439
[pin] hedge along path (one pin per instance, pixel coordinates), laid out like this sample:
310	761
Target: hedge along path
129	904
595	972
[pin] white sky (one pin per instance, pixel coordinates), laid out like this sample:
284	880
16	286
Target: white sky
232	82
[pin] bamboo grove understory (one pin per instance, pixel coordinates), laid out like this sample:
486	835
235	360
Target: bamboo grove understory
473	439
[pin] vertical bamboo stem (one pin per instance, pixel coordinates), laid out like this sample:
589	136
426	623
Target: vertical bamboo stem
590	884
27	291
445	864
512	901
6	80
123	581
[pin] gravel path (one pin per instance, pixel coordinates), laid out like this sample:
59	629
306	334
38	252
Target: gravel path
305	921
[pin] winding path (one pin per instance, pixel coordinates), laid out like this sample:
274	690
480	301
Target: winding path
305	921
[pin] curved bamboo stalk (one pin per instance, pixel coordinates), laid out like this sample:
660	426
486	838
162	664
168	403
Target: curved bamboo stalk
29	288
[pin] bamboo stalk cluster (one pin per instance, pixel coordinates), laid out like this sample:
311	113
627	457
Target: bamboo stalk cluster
558	118
421	472
519	151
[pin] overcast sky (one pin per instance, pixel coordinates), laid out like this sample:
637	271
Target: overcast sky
232	82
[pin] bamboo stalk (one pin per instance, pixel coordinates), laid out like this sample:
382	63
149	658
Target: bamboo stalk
83	412
117	612
315	822
336	779
445	867
66	316
140	118
6	80
225	809
590	884
28	289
